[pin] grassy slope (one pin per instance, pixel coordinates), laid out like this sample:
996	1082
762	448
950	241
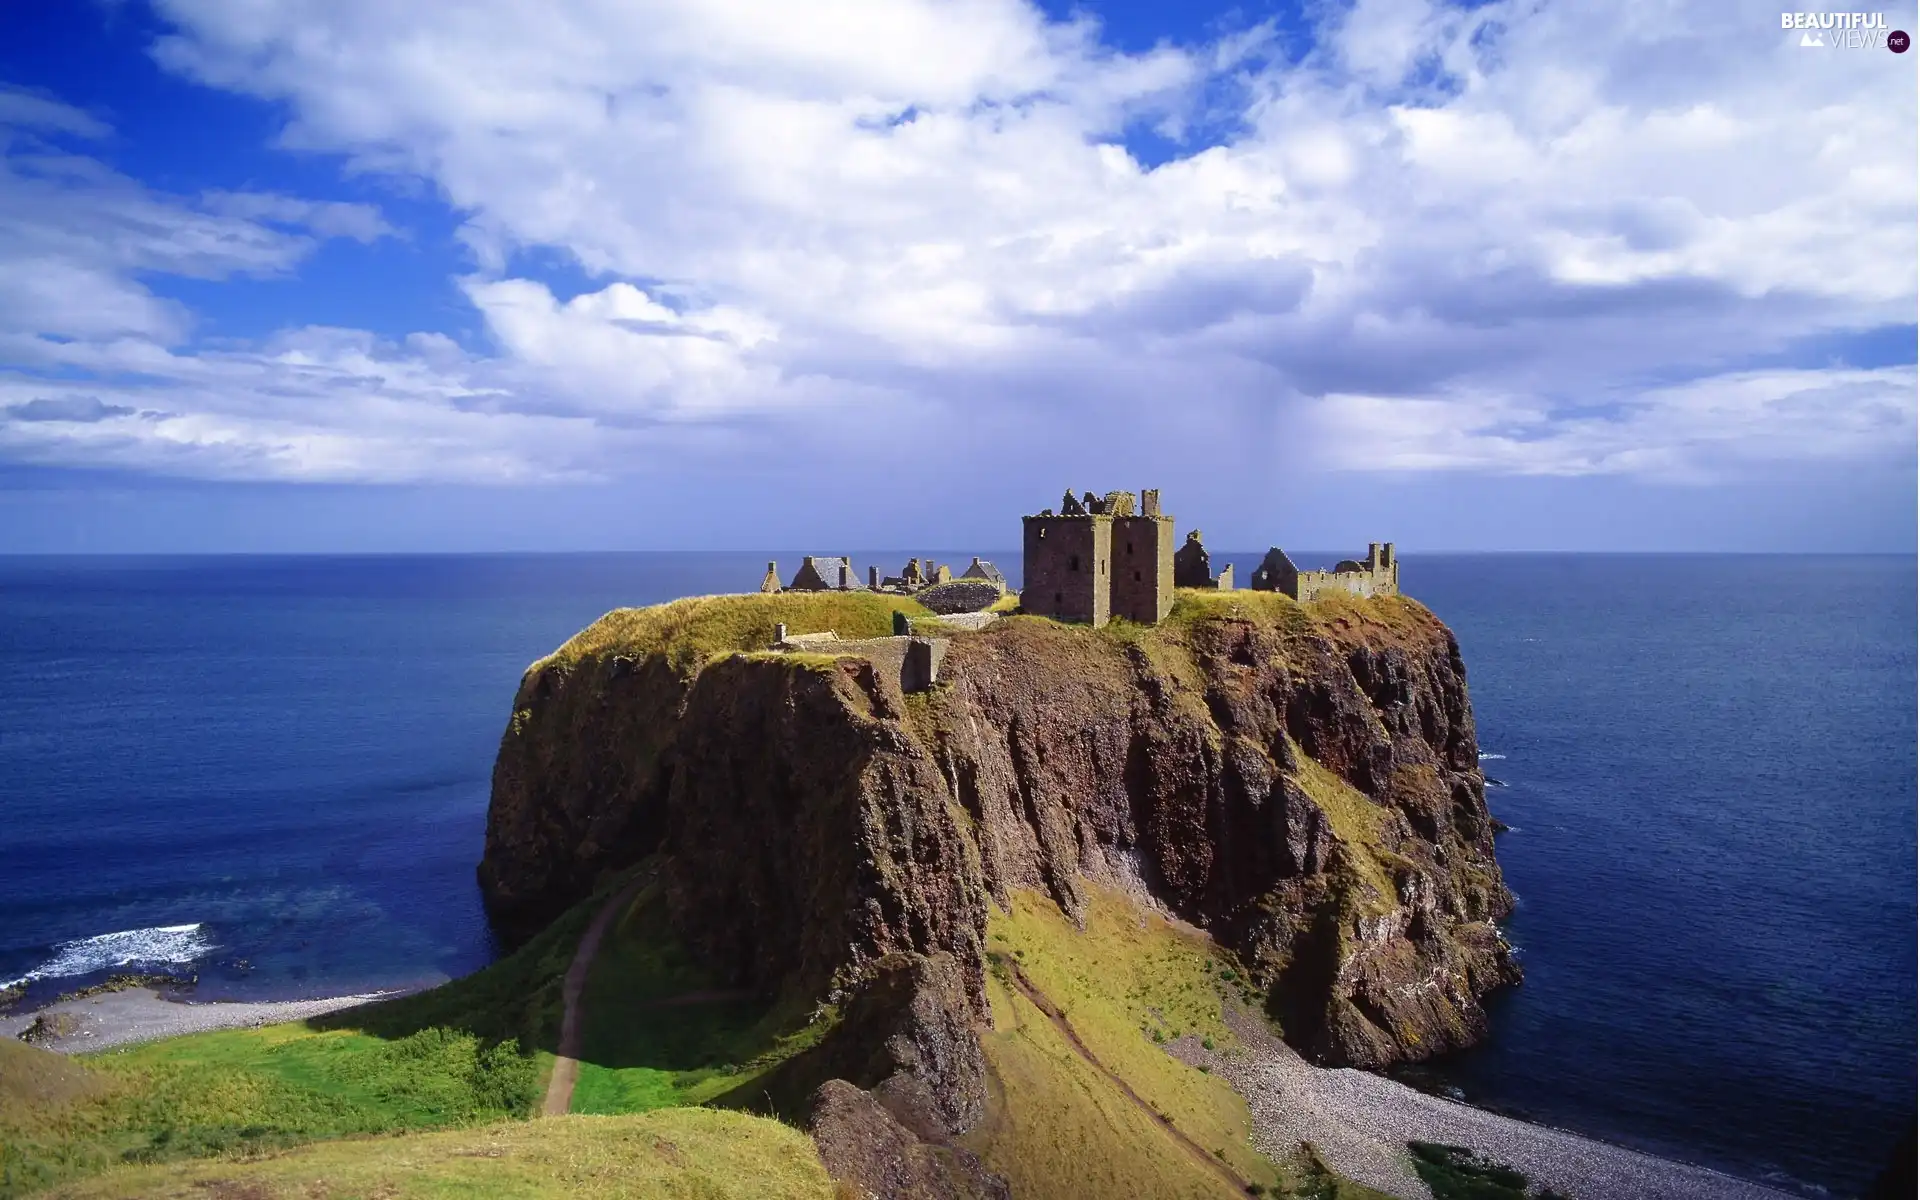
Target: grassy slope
1060	1128
661	1031
680	1153
470	1051
252	1089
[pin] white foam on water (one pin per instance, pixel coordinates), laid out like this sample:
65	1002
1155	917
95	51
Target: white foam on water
1495	756
159	945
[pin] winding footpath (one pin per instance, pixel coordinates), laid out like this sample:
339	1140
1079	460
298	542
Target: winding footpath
566	1060
1052	1013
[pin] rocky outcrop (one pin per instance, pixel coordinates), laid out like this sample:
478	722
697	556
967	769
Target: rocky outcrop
867	1150
1300	781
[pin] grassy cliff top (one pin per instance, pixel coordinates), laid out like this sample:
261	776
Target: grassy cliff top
688	632
1349	618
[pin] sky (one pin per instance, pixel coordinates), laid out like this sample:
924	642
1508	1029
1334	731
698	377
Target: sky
350	275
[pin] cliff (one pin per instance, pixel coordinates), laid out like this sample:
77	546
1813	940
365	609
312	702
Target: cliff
1301	781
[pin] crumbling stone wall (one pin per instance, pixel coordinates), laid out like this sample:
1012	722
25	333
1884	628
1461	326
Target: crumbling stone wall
1193	567
1378	576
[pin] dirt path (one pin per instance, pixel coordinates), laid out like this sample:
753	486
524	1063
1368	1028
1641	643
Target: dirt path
566	1061
1052	1013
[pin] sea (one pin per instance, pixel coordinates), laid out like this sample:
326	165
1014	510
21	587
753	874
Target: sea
271	773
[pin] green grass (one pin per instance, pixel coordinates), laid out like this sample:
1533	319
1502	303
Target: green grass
696	1154
1060	1124
1457	1173
659	1030
241	1091
470	1051
686	633
1357	822
1198	604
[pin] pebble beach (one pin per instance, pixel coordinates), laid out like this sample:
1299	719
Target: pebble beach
1361	1123
143	1014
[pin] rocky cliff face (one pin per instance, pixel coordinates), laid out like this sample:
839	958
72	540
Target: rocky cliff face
1300	781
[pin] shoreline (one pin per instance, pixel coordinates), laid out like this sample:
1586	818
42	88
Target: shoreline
1360	1123
143	1014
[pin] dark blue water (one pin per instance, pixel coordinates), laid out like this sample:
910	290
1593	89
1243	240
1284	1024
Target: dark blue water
1710	770
274	772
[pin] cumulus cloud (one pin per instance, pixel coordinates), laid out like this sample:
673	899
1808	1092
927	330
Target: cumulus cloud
1516	238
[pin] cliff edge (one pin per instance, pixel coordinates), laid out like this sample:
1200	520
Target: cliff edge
1301	781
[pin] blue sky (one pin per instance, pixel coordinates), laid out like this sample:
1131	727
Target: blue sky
286	275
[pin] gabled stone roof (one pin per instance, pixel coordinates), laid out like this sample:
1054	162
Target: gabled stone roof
984	570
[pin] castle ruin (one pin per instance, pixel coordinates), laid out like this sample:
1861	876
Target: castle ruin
1192	568
819	573
1378	576
1098	559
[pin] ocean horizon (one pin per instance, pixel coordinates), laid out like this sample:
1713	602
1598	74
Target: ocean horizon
272	771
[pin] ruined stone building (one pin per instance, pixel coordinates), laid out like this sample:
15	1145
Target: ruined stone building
1378	576
822	574
911	578
1192	568
910	660
986	572
1097	559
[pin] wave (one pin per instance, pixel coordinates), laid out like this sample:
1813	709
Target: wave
159	945
1486	756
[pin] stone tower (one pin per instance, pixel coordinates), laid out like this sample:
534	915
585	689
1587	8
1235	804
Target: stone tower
1067	560
1098	559
1142	554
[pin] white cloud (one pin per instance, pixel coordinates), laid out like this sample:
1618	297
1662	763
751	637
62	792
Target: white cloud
314	405
1682	433
75	236
1444	229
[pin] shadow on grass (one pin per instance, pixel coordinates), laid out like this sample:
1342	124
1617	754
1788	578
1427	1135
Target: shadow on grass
517	999
659	1029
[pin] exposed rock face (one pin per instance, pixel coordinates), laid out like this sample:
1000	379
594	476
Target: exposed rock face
868	1150
1302	782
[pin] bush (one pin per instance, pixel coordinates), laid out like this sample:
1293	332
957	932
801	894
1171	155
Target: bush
1457	1173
